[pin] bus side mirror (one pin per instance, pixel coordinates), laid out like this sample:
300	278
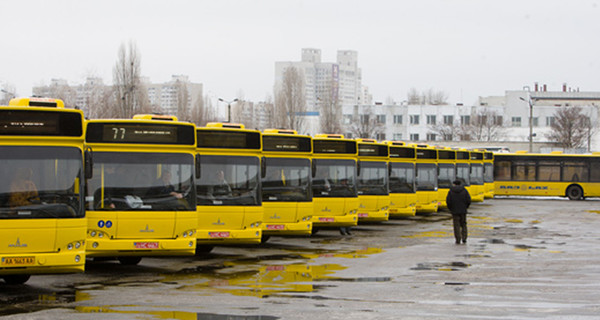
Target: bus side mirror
88	164
198	166
358	168
263	167
313	167
389	169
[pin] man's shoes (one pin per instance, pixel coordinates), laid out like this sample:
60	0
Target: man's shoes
465	241
457	242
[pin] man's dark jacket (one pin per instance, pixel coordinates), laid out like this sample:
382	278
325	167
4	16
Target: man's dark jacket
458	199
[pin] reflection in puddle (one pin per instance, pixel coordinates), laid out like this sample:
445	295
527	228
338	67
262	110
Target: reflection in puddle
19	299
179	315
451	266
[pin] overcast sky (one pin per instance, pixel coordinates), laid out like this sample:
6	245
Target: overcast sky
465	48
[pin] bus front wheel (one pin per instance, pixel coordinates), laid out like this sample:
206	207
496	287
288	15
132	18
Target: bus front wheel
16	279
130	261
574	193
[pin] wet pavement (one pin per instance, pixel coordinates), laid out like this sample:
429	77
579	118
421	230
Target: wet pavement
525	259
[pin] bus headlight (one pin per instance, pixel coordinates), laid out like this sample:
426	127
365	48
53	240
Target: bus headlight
384	208
70	246
188	233
307	218
77	258
92	233
77	245
95	245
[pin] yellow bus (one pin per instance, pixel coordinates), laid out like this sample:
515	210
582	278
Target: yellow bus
42	217
335	197
373	185
446	173
286	187
230	208
403	196
463	168
141	201
488	174
427	179
477	190
575	176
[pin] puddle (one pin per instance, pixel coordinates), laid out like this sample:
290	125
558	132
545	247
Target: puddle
456	283
24	299
513	220
429	234
474	256
493	241
526	247
451	266
593	211
167	314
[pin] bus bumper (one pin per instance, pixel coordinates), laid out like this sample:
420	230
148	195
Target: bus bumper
347	220
428	207
301	228
374	216
49	263
140	247
225	237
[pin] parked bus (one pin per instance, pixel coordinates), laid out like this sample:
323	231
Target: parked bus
574	176
42	218
286	187
427	179
142	200
335	197
230	209
403	196
477	189
488	174
373	186
463	169
446	174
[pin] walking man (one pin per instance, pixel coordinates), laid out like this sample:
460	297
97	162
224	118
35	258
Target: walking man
458	200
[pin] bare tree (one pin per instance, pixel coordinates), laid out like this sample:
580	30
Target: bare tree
447	132
8	92
268	108
183	95
59	89
366	124
431	97
131	96
290	101
203	112
331	112
487	125
569	128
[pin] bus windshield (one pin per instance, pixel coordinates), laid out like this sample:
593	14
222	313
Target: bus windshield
446	176
462	174
287	180
477	173
140	181
373	178
228	180
402	178
426	177
335	178
40	182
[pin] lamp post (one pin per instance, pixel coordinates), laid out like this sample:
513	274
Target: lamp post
530	122
228	107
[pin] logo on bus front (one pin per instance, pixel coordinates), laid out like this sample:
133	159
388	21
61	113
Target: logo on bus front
18	244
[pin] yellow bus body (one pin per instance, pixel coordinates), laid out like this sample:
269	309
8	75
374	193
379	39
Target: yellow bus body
44	245
291	154
488	164
477	188
447	174
427	197
335	211
403	197
128	232
373	161
555	174
226	222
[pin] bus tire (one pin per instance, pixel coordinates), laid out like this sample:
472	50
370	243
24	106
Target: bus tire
264	238
130	261
16	278
574	192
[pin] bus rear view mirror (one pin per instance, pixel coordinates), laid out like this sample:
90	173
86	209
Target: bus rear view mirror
198	166
88	164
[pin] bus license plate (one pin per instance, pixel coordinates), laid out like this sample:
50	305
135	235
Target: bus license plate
146	245
222	234
275	227
18	261
363	215
326	219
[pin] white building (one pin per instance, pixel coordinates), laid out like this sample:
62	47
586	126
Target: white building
340	81
166	95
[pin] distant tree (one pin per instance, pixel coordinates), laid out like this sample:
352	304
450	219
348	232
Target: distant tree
8	92
431	97
365	125
330	120
487	125
446	132
570	128
183	100
203	112
131	95
58	90
268	109
290	101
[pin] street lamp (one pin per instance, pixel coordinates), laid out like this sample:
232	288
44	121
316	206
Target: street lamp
530	122
228	107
